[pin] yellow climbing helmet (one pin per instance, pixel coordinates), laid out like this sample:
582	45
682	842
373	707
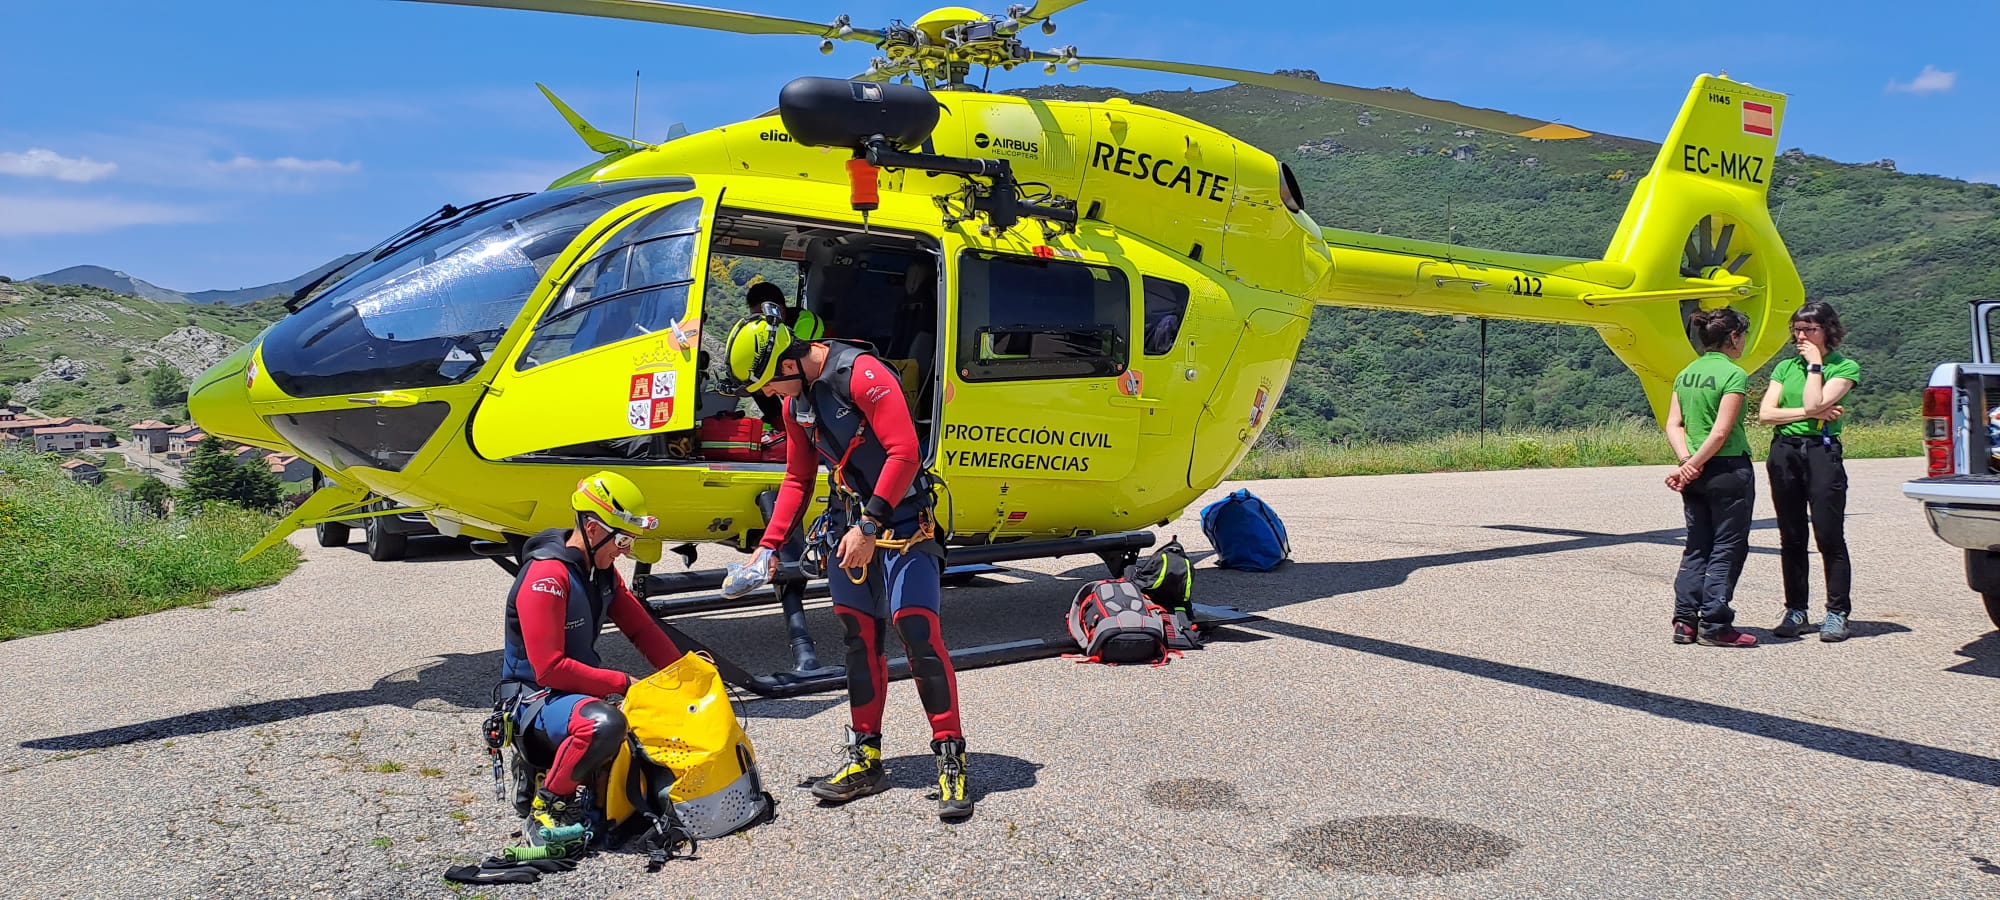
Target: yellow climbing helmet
755	346
615	499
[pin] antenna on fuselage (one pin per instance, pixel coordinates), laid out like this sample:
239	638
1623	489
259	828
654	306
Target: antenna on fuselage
635	104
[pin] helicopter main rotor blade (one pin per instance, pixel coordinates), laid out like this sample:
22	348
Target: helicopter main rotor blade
1046	8
666	13
1400	101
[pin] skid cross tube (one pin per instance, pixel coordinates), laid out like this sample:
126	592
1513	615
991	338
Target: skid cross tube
790	586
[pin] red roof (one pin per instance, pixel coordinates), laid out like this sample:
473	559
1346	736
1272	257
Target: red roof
150	423
195	438
74	429
78	464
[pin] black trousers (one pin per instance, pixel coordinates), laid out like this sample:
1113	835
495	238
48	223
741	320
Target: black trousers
1809	480
1718	507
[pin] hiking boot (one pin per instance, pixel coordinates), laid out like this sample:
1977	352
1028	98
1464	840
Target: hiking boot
1725	636
954	800
1834	628
1683	633
860	772
561	824
1792	624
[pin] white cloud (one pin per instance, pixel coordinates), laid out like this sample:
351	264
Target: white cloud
39	163
29	216
291	164
1929	81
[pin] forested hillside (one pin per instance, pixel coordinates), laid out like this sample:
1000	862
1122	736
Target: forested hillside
1899	255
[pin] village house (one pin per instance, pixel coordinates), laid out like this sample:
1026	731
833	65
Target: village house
244	455
290	469
181	440
27	427
70	438
82	472
151	435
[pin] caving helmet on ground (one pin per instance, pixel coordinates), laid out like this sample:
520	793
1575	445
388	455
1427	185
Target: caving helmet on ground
615	500
755	346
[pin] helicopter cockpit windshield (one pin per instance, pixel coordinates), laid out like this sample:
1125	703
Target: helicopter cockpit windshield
430	313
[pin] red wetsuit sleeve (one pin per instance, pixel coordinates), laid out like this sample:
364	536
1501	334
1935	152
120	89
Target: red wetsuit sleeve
641	628
801	470
878	393
542	606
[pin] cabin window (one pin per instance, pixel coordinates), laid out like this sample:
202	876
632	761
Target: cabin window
1021	318
636	285
1166	306
430	306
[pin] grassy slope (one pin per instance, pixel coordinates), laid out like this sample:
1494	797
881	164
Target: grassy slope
76	556
101	329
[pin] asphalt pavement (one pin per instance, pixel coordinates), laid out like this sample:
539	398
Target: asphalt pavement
1463	686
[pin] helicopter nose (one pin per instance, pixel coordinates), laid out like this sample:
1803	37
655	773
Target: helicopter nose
219	402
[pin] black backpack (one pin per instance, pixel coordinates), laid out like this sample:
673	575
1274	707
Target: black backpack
1113	623
1166	578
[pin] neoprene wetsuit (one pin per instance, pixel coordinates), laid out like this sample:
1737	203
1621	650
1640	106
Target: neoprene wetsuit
854	418
555	612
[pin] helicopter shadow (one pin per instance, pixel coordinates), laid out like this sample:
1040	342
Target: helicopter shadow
457	682
1301	582
454	683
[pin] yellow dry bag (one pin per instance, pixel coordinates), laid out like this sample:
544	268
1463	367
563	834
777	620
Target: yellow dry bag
682	718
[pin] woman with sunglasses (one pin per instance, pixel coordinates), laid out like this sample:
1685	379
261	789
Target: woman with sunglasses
1808	479
551	676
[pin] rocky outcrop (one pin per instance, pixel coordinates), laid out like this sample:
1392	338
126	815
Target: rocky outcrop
61	370
193	349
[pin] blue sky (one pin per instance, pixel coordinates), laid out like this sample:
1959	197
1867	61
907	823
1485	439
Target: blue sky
214	144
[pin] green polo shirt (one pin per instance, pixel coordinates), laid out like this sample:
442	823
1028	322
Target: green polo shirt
1700	387
1791	376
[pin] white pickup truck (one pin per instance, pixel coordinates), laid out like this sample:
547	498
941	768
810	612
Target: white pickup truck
1961	493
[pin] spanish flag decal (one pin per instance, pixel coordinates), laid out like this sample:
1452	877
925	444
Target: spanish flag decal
1757	118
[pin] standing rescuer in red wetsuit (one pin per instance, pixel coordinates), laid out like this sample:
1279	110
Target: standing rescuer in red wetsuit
565	701
845	407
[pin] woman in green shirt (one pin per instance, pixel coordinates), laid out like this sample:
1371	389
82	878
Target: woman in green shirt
1717	484
1807	475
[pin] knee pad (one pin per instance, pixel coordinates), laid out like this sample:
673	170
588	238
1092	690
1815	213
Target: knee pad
607	732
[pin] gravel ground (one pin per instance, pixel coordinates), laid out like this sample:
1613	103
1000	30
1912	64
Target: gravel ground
1464	687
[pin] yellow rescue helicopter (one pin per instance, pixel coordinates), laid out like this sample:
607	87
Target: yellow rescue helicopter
1095	305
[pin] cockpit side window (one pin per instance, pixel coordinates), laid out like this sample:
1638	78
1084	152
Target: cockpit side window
430	313
636	285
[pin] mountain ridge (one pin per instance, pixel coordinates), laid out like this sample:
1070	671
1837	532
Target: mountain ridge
119	281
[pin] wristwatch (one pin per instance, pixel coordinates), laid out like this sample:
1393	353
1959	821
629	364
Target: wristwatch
869	528
1815	367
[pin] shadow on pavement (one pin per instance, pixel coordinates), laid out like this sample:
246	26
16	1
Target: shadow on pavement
461	680
1810	735
1297	582
1982	657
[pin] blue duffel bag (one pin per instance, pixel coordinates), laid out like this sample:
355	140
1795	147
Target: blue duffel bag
1245	533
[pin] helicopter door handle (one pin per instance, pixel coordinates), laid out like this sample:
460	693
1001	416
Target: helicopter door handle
390	399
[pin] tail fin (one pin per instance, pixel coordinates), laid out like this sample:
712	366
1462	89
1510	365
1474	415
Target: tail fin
1702	213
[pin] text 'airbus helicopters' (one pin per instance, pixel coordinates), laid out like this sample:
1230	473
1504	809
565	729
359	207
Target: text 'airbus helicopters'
1095	305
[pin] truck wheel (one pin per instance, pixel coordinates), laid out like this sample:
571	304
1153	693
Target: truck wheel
1993	607
384	546
332	534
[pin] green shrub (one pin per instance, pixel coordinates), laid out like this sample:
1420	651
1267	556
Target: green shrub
76	556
